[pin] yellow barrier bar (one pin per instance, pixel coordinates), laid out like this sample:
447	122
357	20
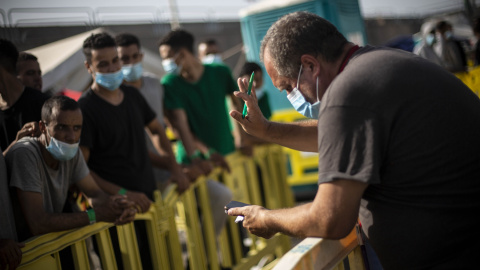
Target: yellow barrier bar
168	227
318	253
235	181
80	255
188	213
107	255
127	240
157	245
208	226
471	79
38	249
174	211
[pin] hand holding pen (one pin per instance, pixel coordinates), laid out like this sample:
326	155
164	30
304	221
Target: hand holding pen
250	84
252	119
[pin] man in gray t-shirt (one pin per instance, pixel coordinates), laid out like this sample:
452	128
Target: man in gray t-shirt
398	145
42	169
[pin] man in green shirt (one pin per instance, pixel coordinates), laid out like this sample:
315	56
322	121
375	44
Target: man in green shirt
195	107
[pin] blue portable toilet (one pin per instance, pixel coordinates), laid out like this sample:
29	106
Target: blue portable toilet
256	19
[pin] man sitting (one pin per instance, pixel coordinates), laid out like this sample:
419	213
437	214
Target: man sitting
42	170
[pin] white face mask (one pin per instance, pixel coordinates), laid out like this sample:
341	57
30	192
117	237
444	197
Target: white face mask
302	106
61	151
430	39
448	34
170	66
212	58
109	81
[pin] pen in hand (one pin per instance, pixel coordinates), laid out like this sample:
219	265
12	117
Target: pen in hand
250	83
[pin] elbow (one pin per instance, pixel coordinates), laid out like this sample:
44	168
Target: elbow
37	229
326	231
334	228
339	232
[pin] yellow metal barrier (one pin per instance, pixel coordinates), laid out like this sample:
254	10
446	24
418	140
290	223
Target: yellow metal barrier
42	252
173	212
302	166
471	78
318	253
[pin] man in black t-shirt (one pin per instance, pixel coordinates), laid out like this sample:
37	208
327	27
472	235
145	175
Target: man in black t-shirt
113	136
113	139
19	104
397	142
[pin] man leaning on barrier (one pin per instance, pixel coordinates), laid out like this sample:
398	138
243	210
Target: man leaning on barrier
42	169
398	145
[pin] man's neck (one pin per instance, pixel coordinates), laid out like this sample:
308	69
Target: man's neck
331	69
12	93
193	72
343	57
137	84
114	97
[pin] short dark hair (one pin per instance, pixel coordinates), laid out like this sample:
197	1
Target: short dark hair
442	26
210	42
300	33
125	40
95	42
8	56
61	103
25	56
178	39
250	67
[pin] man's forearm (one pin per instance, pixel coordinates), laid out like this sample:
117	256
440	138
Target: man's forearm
286	221
300	135
55	222
106	186
158	161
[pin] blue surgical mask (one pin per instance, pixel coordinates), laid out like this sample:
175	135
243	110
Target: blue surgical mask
448	34
170	66
301	105
212	58
110	81
133	72
430	39
60	150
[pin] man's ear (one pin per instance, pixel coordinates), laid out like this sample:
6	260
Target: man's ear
42	126
310	63
87	66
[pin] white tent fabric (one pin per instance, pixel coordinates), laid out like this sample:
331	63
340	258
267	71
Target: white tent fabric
62	63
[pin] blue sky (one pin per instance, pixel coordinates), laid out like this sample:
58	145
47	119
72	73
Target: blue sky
48	12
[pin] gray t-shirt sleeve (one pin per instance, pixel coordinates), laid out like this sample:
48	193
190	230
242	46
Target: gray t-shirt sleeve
349	145
24	172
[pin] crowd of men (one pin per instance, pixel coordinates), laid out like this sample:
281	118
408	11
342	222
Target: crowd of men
119	127
396	137
440	46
